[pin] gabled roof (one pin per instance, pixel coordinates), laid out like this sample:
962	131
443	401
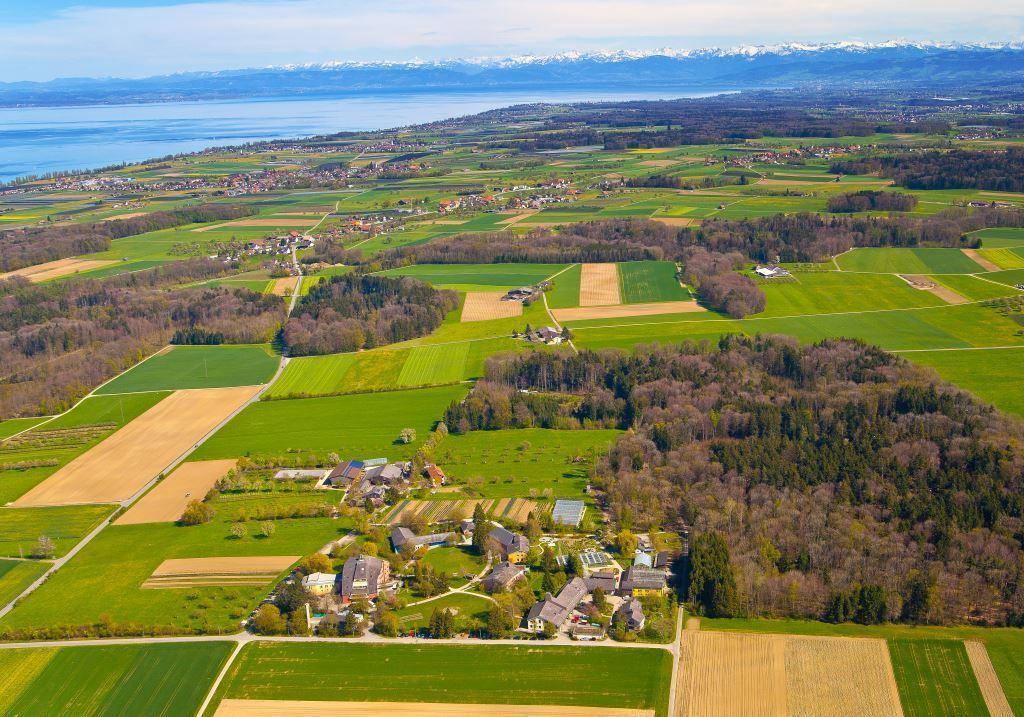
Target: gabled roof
556	610
509	541
361	568
637	578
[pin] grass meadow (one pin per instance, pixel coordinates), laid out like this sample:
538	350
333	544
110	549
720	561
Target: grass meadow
355	426
477	674
647	281
197	367
478	277
993	375
935	679
829	292
20	528
16	575
109	681
908	261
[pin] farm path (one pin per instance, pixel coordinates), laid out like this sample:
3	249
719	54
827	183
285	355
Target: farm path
464	589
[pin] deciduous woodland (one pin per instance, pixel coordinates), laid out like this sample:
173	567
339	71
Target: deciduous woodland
352	312
847	483
35	245
58	341
957	169
872	201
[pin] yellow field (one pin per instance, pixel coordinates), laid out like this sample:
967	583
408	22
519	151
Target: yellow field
207	572
991	689
740	675
297	708
624	310
979	259
599	285
487	305
57	269
121	465
285	286
167	501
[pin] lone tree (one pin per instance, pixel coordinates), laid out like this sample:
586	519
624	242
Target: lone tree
44	548
480	529
408	435
712	583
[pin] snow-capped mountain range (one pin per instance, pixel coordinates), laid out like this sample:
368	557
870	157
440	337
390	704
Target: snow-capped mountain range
902	64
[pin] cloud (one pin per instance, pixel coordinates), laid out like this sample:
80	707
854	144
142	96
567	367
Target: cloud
139	41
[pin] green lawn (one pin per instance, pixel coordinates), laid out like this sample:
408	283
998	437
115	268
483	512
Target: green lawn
15	576
456	560
908	261
65	525
198	367
477	674
355	426
465	605
109	681
531	462
935	679
647	281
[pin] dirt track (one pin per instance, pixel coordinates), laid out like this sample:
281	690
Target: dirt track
626	310
988	681
487	305
926	283
599	285
119	466
56	269
981	261
297	708
167	501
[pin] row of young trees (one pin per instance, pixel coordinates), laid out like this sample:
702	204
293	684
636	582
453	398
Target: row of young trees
34	245
834	473
1001	171
353	312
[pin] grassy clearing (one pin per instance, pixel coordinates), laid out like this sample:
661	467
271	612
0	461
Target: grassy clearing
529	462
1004	258
357	426
484	674
456	560
935	678
991	374
465	605
648	281
15	576
198	367
152	680
65	525
908	261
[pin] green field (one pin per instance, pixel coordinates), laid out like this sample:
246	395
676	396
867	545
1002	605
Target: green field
993	375
357	426
478	277
16	425
565	292
15	576
109	681
831	292
441	363
197	367
464	605
65	525
520	463
645	281
476	674
1000	238
908	261
935	678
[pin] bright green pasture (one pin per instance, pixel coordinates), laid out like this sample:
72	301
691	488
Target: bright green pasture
16	425
465	606
935	678
1006	258
565	290
520	463
478	277
115	410
356	426
15	576
648	281
441	363
106	576
1000	238
167	680
908	261
197	367
975	288
20	528
830	292
992	374
312	375
635	678
1008	278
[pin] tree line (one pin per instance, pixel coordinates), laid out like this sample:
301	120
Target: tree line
353	312
870	200
846	483
1000	171
35	245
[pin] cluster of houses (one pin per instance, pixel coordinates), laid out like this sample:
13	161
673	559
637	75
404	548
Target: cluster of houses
280	245
527	294
368	481
548	335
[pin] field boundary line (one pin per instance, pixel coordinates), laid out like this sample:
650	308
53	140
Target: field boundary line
241	642
956	348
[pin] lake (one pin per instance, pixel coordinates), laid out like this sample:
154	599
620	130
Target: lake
34	141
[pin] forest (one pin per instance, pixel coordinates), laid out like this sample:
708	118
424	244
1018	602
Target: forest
871	201
1001	171
59	340
353	312
35	245
846	483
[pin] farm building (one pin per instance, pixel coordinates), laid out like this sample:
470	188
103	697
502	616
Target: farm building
568	512
504	576
320	583
631	614
771	272
549	335
300	474
403	537
586	632
435	476
639	581
347	473
364	576
510	546
608	581
556	610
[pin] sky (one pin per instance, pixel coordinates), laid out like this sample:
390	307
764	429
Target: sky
45	39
